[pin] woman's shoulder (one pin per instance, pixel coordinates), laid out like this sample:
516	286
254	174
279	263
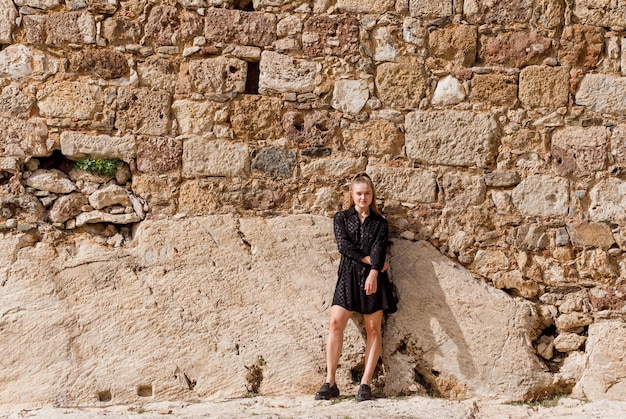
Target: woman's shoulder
344	213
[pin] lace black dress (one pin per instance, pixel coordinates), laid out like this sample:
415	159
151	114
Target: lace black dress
356	240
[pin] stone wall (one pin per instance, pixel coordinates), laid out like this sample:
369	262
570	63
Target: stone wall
494	130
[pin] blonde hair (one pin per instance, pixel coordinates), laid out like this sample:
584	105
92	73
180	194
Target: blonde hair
364	178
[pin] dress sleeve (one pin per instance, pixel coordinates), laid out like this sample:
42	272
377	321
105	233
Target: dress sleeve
379	246
345	246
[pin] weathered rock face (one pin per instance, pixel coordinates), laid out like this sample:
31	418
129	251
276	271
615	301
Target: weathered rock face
135	304
493	130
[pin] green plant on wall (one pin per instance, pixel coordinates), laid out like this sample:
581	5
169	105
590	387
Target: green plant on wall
100	166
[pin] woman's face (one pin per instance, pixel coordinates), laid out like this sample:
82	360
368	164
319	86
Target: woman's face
362	195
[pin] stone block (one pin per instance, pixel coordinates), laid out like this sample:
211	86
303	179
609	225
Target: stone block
584	234
8	14
542	196
514	49
159	154
16	102
365	6
404	184
599	13
608	201
579	151
581	46
93	217
143	111
486	11
19	61
158	73
548	14
167	25
568	342
76	145
106	64
218	75
198	198
24	138
255	118
455	138
618	146
198	117
109	196
333	167
401	85
275	162
311	129
376	137
602	93
160	192
571	321
121	31
330	35
239	27
284	74
542	86
70	28
38	4
431	9
501	179
457	43
493	89
68	99
25	207
34	29
449	91
52	180
10	165
66	207
350	96
211	157
461	190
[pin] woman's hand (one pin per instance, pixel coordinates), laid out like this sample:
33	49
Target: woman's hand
371	283
385	267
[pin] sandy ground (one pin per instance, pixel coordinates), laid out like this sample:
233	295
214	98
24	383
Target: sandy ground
306	407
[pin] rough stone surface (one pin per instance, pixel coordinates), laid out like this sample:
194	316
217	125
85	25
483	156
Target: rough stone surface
401	85
365	6
600	13
158	154
374	138
542	196
449	91
23	138
465	139
107	65
605	349
591	235
198	117
218	75
461	190
120	30
425	8
70	100
330	35
77	145
456	43
578	150
66	207
315	129
143	111
50	180
568	342
20	61
70	27
274	162
93	217
608	201
256	118
493	89
8	13
214	155
404	184
602	93
350	95
333	167
542	86
281	73
516	49
487	11
239	27
581	46
108	196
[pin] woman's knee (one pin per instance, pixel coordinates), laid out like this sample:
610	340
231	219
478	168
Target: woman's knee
337	325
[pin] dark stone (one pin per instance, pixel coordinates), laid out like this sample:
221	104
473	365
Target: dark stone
275	161
343	30
107	64
316	152
502	179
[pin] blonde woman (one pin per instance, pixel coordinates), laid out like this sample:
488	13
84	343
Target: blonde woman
362	286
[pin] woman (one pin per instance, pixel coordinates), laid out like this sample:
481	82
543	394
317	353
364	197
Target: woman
363	286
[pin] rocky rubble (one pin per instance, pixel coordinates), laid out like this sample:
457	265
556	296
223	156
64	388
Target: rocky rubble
495	132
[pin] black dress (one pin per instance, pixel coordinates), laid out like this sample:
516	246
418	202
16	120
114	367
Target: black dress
356	240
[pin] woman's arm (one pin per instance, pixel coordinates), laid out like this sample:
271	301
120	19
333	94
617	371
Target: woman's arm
378	251
344	245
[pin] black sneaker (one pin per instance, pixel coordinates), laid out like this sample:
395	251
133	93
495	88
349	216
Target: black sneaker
364	393
327	391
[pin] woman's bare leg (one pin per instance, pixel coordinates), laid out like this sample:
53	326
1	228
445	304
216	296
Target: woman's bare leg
374	344
339	317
